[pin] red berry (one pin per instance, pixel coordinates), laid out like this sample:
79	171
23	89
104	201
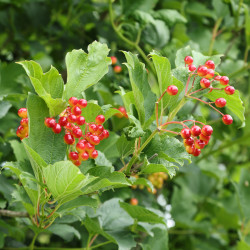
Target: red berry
185	133
63	121
190	149
80	147
227	119
172	90
191	67
100	119
22	112
89	147
84	156
188	60
83	141
207	130
217	78
73	156
210	64
57	128
113	59
69	139
195	130
77	163
73	101
196	152
99	129
204	138
72	118
123	111
68	126
133	202
210	74
189	141
82	103
199	144
229	90
224	80
202	71
105	134
80	120
220	102
205	83
94	139
93	128
24	122
76	110
77	132
50	122
20	131
117	69
93	154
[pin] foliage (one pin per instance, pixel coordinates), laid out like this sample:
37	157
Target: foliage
202	203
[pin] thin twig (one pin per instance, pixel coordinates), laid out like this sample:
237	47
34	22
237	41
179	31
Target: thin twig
9	213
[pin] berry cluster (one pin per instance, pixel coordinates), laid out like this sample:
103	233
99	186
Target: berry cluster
82	143
196	138
23	130
123	112
117	68
157	179
210	77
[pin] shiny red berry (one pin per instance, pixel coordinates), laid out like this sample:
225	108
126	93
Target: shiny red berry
73	101
77	163
224	80
227	119
105	134
202	71
117	69
73	156
207	130
77	132
220	102
57	128
72	118
210	74
210	64
204	138
84	156
63	121
185	133
205	83
100	119
195	130
199	144
80	120
191	67
172	90
99	129
229	90
22	112
76	110
113	59
93	128
93	154
196	152
188	60
82	103
80	147
89	147
190	149
24	122
217	78
189	141
123	112
94	139
69	139
50	122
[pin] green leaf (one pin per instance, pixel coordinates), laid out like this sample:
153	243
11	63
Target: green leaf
124	146
242	245
4	108
91	111
85	70
170	17
49	86
129	6
64	231
41	139
234	103
140	86
101	160
65	181
181	54
153	168
19	150
199	9
141	213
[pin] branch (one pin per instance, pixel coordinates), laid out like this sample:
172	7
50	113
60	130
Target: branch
9	213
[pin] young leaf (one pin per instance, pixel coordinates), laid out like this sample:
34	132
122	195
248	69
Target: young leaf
48	86
85	70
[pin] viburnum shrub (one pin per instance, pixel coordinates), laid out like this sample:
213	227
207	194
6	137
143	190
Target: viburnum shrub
63	131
